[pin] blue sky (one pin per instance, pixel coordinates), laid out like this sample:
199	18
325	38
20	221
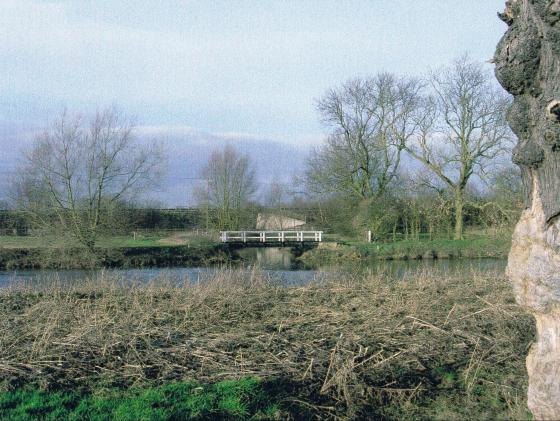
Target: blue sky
242	67
199	74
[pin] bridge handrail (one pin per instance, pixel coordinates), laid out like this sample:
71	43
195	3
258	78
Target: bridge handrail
273	231
271	235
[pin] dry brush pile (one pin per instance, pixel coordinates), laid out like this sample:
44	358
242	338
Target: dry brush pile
425	347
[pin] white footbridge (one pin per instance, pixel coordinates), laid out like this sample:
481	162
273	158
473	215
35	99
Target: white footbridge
271	237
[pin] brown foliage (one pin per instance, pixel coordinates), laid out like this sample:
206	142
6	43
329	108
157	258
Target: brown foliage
338	348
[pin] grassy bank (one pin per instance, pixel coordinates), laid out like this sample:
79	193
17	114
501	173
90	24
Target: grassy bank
357	346
134	239
137	250
118	257
347	252
230	399
164	249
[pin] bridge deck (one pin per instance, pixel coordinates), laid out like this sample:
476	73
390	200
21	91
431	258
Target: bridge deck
271	236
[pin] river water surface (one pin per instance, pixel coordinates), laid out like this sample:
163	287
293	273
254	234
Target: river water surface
277	264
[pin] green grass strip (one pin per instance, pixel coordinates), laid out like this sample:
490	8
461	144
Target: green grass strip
235	399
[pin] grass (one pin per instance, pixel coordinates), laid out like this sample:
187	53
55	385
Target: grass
476	247
348	347
161	239
117	241
131	257
230	399
128	241
12	241
351	251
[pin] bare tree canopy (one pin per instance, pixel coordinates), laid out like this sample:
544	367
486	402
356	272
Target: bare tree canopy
79	169
231	184
276	194
369	121
462	128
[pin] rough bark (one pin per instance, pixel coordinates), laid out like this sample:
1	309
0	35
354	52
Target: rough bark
528	66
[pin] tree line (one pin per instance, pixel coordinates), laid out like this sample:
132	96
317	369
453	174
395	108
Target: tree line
403	157
451	127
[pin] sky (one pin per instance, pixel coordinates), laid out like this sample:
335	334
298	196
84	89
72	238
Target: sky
219	69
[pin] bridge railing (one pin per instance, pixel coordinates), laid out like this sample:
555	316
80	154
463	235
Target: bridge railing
270	236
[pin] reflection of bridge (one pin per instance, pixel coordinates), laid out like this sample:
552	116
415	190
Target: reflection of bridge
271	237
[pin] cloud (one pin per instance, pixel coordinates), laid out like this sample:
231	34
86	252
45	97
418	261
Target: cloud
164	131
92	59
235	68
218	138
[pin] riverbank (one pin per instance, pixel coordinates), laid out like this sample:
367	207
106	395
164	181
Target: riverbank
352	347
138	250
344	252
202	254
180	250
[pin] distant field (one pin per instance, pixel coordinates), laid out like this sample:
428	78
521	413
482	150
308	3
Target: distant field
178	238
9	241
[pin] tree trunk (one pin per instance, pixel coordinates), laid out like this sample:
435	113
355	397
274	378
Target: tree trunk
528	66
430	229
458	215
406	228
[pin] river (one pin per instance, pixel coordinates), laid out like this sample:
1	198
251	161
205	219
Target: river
277	264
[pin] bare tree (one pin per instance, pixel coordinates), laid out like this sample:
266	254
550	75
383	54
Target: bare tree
370	121
78	171
502	202
231	183
463	128
277	194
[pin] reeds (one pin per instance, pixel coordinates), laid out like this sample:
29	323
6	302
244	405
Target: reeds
359	345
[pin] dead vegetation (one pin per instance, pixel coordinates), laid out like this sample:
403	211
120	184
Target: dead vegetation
427	347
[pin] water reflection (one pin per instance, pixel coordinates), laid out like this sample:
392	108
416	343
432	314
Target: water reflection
174	276
272	258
